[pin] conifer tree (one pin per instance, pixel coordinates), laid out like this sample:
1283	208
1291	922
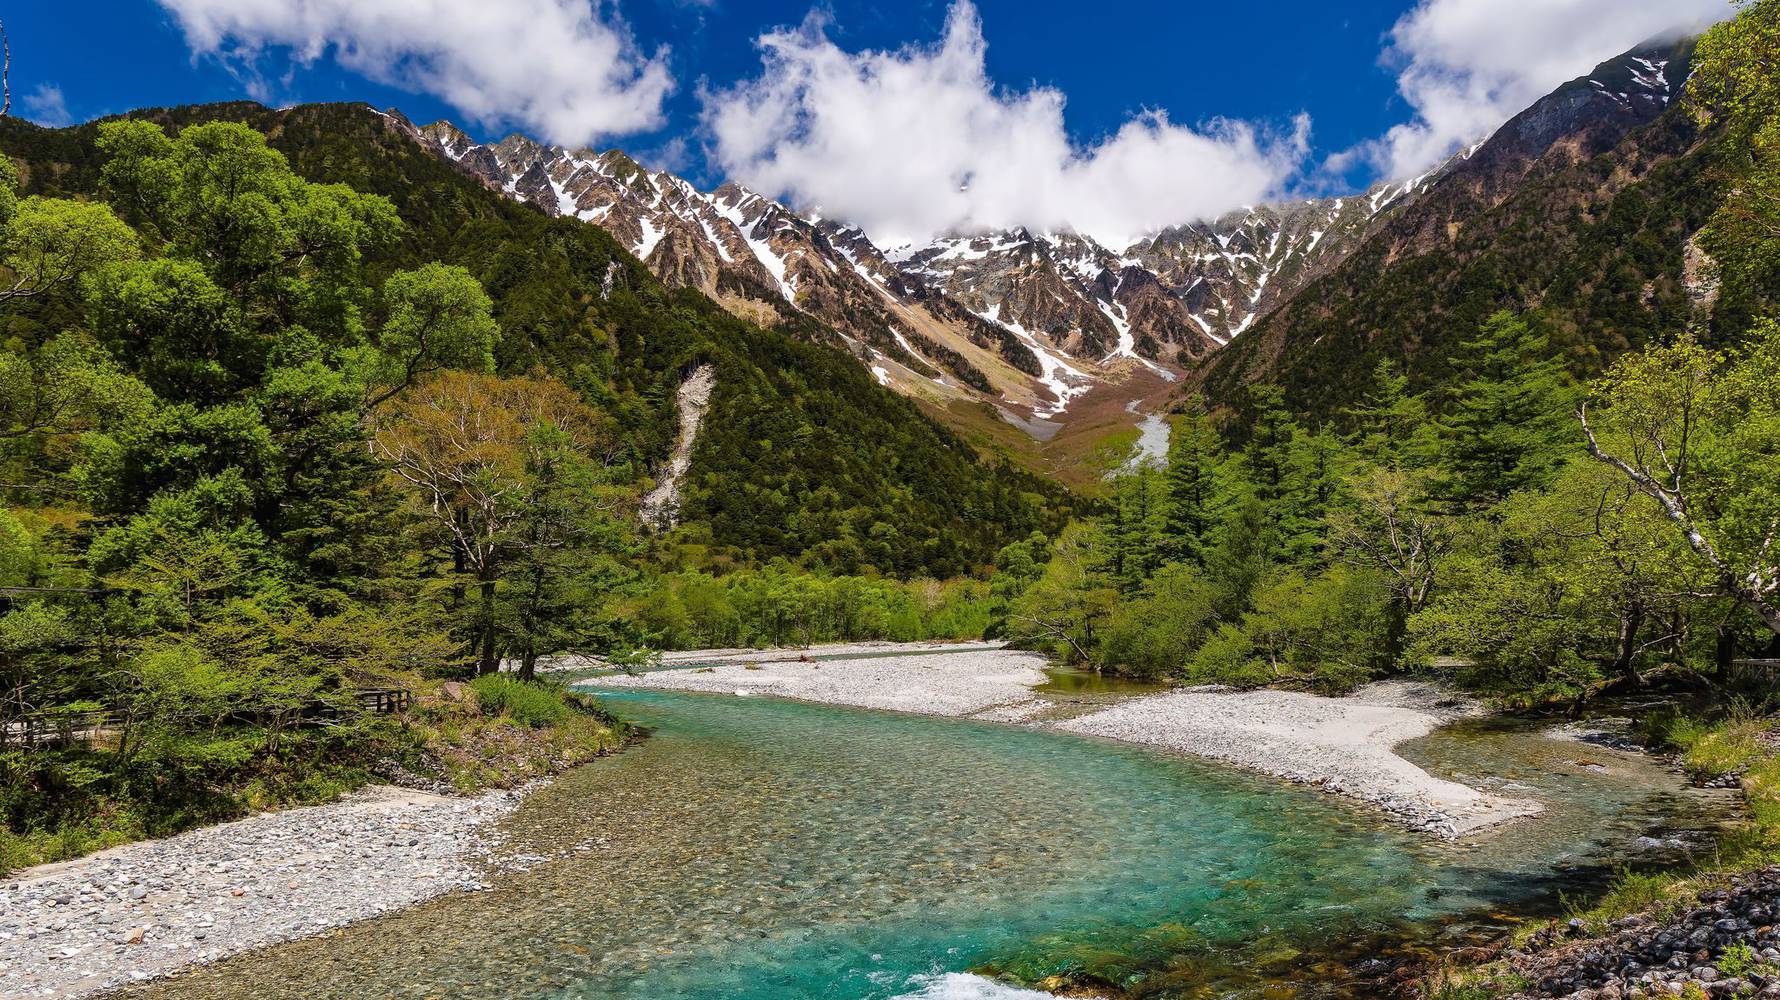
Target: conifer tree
1507	426
1189	512
1135	537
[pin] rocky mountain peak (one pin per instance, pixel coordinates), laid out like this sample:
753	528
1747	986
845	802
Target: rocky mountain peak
1023	319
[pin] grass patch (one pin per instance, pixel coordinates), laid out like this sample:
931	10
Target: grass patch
1659	893
1709	748
1473	984
528	703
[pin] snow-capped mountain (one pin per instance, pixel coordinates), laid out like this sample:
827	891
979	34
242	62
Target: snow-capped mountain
1027	321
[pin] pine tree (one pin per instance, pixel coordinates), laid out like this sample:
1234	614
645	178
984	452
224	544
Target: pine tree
1317	462
1136	535
1190	482
1268	455
1390	424
1509	424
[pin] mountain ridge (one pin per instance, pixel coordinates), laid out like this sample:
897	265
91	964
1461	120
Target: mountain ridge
1026	322
1582	207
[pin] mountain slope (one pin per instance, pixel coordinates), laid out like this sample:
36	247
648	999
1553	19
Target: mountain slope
803	455
1582	207
1025	323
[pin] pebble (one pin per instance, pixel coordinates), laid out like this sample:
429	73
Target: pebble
145	910
1646	958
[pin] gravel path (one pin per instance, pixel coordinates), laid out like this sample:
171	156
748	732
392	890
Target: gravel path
1342	745
146	909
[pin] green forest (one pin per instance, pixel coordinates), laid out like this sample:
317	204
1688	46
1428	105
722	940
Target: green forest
274	442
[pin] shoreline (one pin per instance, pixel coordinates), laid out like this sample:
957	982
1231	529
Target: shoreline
1344	746
145	910
1341	746
150	909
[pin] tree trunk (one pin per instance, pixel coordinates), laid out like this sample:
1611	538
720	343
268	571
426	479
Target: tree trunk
1726	650
1631	619
528	665
488	663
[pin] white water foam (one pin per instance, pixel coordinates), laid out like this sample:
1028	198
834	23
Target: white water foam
964	986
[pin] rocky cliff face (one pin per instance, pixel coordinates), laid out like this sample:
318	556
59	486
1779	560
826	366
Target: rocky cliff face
1028	321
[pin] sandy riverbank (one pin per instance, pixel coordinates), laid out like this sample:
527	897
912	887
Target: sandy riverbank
146	909
1341	745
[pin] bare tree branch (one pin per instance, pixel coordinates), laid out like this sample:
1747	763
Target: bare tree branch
1746	589
5	73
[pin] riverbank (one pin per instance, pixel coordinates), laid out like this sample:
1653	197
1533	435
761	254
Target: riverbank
1342	745
133	913
1708	930
930	680
1345	746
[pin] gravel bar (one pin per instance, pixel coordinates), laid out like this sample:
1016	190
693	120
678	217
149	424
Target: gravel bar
144	910
1341	745
927	683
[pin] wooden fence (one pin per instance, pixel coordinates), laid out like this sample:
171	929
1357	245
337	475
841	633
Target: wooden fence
1754	673
48	728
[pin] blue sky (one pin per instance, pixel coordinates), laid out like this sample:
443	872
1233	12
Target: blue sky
1038	107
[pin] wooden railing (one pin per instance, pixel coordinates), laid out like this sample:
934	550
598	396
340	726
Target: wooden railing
41	728
1753	672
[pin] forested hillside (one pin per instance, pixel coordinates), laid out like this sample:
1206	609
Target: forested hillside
1581	212
804	456
1466	500
299	429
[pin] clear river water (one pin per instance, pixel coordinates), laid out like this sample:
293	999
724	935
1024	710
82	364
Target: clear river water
756	848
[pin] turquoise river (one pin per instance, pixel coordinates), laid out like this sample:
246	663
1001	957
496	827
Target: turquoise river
757	848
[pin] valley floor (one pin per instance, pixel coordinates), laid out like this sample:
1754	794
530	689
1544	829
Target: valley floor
1341	745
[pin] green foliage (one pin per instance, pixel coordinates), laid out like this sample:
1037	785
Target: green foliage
1733	86
437	317
527	703
1710	747
1325	632
779	607
51	242
1507	426
1698	433
1739	960
1152	634
1188	515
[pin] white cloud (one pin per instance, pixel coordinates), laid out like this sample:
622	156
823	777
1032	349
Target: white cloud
562	68
46	106
1467	66
919	141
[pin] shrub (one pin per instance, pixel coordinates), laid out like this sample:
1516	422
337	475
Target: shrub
1738	960
1633	892
529	704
